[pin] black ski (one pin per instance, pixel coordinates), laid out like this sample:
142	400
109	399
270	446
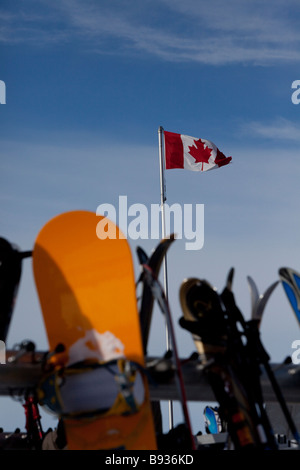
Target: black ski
147	300
158	294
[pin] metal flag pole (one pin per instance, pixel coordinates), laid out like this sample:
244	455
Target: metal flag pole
163	198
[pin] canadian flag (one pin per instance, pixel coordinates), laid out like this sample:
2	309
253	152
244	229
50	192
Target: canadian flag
191	153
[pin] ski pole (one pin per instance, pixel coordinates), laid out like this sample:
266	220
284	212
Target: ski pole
264	360
164	306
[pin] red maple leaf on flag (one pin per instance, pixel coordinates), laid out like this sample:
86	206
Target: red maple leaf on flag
201	153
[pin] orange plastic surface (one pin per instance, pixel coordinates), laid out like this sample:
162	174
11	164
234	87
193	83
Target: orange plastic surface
86	288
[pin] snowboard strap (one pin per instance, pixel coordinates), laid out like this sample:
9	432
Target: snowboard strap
89	389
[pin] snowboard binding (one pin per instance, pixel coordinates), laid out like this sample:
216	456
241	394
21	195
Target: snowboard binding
203	316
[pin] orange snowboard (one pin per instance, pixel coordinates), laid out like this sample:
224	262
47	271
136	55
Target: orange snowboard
86	288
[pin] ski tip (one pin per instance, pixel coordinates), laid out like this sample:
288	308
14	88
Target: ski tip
270	289
167	240
250	280
229	279
283	272
290	280
286	273
254	295
253	287
142	255
291	277
171	237
262	301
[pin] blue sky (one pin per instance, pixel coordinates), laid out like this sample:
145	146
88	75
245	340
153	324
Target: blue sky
87	86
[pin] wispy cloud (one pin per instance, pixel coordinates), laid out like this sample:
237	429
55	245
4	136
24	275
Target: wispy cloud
31	26
207	32
280	129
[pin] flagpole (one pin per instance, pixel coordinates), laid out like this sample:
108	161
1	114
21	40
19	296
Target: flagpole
163	198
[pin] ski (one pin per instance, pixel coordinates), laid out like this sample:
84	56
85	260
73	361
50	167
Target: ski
218	329
259	301
212	420
258	356
250	355
290	280
10	275
154	261
159	295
